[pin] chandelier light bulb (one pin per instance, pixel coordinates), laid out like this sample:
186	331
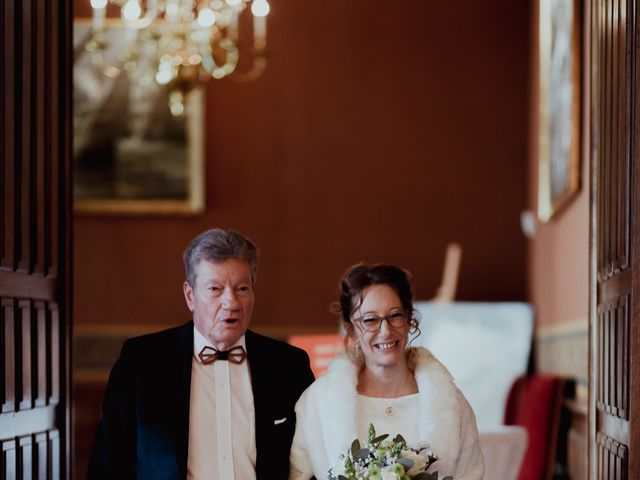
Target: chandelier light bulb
206	17
98	3
176	103
131	10
176	108
164	74
260	8
233	3
172	10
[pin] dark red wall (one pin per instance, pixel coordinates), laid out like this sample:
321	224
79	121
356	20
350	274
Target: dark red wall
379	132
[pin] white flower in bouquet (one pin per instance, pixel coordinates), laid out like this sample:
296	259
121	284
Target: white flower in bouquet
388	474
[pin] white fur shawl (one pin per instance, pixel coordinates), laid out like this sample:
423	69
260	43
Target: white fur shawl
326	420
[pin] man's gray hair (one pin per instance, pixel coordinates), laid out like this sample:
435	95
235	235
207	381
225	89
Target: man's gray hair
218	245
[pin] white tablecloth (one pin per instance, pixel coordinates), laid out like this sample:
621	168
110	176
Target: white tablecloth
503	448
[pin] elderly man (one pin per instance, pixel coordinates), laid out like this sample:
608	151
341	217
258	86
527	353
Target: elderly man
209	399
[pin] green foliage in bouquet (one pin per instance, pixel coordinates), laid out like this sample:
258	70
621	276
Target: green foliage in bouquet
382	458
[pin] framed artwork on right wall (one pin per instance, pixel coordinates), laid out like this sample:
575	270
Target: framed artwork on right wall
559	82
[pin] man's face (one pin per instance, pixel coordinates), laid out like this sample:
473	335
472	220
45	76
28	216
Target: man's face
221	300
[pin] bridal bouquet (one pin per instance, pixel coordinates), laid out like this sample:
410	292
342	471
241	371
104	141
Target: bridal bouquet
384	459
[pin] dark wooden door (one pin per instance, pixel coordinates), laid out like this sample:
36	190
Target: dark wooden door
35	405
615	235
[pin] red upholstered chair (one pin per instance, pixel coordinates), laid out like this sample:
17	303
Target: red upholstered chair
535	402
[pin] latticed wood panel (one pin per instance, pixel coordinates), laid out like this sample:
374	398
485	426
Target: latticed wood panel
32	456
612	459
614	115
613	357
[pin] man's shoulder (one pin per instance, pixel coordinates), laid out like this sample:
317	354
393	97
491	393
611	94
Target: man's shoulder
272	345
162	338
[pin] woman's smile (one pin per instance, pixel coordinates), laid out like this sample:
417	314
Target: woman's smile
387	345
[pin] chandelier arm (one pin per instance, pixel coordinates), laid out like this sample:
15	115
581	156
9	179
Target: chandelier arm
227	42
259	60
219	71
258	66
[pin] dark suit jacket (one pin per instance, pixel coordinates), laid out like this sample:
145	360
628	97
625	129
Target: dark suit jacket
144	431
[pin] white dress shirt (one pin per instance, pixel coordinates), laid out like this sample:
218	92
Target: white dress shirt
222	418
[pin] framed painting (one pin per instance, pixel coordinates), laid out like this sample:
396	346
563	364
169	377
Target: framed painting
559	104
130	154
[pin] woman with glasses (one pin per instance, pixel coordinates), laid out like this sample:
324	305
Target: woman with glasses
381	380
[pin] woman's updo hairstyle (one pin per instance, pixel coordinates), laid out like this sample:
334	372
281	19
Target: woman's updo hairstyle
358	277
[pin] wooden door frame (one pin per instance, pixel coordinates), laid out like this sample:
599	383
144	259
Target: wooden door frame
36	247
624	426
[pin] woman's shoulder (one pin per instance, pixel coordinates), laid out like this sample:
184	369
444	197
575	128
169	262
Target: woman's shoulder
434	377
341	374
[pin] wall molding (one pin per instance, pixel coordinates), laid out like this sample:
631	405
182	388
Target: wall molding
563	349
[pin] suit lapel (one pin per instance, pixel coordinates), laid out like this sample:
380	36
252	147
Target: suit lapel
257	364
254	355
184	359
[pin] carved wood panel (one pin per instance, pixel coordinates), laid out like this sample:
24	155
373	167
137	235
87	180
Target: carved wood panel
31	456
612	458
35	120
614	115
613	357
31	364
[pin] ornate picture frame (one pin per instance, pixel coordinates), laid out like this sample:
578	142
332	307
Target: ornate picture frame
130	155
559	104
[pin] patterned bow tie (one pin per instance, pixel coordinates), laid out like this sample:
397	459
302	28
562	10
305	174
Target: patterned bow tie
235	355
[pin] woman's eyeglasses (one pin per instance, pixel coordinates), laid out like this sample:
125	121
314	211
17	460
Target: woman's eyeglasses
372	323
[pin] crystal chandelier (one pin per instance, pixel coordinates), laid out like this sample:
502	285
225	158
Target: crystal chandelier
180	43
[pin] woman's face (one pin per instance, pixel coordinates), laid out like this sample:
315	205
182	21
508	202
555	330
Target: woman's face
386	346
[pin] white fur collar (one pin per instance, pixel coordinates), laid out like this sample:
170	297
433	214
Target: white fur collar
439	422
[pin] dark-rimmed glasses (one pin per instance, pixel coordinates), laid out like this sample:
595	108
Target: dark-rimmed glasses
372	323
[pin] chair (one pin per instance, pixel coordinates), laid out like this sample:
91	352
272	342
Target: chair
535	402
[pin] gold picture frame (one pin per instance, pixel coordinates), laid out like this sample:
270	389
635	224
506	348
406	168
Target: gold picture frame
131	156
559	104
